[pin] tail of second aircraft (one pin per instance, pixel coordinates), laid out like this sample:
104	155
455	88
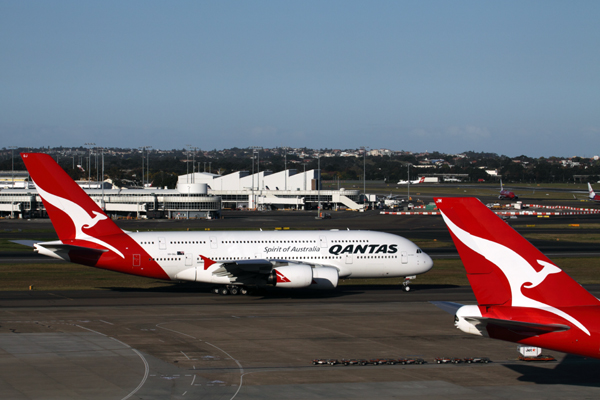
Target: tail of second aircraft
502	266
521	295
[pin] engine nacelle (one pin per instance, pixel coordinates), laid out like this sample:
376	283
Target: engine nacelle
460	320
325	278
292	276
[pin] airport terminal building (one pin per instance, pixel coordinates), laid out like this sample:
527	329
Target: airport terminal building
198	195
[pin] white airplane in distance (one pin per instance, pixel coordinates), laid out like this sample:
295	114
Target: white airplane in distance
415	182
233	261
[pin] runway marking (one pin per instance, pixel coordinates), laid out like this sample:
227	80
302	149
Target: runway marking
117	340
91	330
184	393
184	354
193	380
58	295
106	322
173	330
146	372
146	366
239	366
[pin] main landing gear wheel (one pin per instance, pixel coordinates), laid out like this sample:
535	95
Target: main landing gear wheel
407	288
233	291
224	291
216	290
244	291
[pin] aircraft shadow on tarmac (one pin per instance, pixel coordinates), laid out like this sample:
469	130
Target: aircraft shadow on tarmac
572	370
275	293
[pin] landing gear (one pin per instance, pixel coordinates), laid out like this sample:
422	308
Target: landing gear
406	283
224	290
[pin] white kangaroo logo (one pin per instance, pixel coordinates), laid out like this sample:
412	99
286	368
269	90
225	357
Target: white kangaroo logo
80	217
516	269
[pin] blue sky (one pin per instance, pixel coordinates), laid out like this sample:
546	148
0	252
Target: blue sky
510	77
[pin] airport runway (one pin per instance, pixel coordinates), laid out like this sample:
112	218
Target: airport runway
165	344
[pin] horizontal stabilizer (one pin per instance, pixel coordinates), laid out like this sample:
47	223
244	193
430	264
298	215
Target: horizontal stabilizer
69	252
28	243
447	306
519	327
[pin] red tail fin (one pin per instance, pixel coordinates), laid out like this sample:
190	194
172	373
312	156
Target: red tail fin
502	266
73	213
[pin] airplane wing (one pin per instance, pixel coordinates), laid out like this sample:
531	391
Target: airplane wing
447	306
242	268
284	273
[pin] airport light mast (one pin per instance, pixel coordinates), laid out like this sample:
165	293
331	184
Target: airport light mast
12	152
255	151
364	149
319	185
90	163
408	185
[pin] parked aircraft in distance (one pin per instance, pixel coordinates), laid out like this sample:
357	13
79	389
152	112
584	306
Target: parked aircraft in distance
506	194
593	196
521	295
415	182
233	261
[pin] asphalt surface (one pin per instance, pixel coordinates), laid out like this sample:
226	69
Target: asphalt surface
181	343
145	344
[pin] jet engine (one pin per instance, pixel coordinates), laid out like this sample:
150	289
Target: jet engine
467	318
325	278
291	276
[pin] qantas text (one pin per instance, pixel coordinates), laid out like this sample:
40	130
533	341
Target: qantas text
364	249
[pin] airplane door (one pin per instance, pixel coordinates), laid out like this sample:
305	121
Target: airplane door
404	256
348	258
323	241
136	260
188	259
213	242
162	243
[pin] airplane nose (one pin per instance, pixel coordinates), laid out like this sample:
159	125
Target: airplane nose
427	262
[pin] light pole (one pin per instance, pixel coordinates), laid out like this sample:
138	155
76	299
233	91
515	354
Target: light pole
364	149
90	163
319	185
408	184
147	148
193	162
12	152
285	167
187	163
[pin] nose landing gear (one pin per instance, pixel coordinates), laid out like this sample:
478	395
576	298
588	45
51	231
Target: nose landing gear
406	282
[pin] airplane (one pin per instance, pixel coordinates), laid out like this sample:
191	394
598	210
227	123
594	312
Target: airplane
392	200
521	295
233	261
506	194
593	196
415	182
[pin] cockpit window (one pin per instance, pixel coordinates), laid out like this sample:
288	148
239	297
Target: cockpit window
419	251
